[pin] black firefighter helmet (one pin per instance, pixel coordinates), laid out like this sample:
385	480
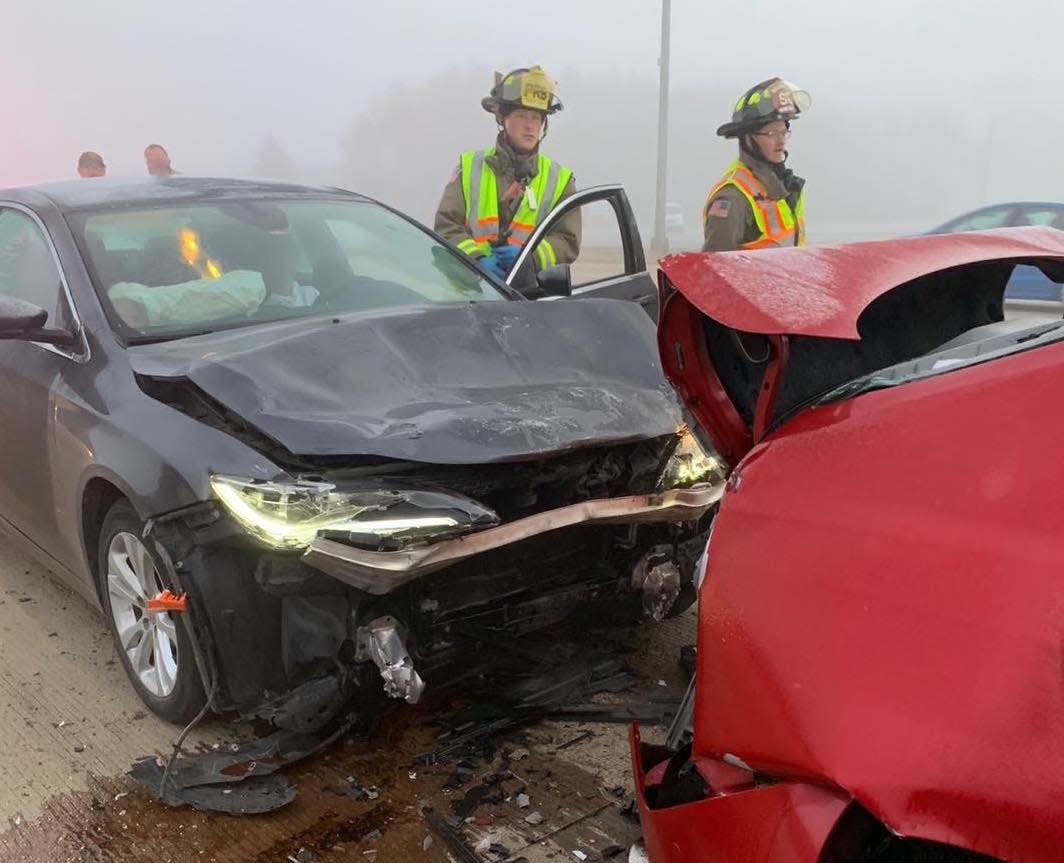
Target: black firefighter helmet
774	99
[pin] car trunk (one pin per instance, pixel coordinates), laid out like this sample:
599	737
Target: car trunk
749	340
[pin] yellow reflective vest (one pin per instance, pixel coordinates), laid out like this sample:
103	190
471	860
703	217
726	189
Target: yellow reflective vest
777	223
481	193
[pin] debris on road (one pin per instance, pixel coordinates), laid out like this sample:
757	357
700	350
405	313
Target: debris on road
580	738
192	780
253	796
523	686
450	836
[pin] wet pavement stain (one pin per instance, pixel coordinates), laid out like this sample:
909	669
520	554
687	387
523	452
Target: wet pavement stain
577	784
117	821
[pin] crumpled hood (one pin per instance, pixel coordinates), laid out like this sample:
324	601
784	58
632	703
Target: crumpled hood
463	384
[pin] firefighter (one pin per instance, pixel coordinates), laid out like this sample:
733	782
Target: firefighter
498	196
759	202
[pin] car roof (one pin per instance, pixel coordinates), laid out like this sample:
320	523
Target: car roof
822	290
104	192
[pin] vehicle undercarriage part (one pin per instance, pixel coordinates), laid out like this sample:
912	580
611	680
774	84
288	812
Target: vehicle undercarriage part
657	576
382	642
381	572
244	770
309	707
681	731
253	797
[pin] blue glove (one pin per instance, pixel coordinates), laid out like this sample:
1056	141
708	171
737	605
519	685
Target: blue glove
491	264
507	255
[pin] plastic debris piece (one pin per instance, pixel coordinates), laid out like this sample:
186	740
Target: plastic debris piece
168	602
450	836
523	801
255	795
534	818
638	854
579	855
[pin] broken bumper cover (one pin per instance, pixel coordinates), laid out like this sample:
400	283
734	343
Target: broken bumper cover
381	572
784	822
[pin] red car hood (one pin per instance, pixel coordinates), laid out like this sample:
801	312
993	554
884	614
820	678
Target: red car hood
748	337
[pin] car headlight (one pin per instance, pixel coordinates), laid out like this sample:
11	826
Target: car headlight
290	514
690	465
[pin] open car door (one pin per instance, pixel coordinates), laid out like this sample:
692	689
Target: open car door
611	261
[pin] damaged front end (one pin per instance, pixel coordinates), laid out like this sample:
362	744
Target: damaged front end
319	590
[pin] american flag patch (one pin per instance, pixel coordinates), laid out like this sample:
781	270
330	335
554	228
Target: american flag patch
719	208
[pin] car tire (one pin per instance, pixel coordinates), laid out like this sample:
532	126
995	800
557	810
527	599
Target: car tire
155	649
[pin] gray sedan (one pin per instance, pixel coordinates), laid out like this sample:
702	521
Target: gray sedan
302	451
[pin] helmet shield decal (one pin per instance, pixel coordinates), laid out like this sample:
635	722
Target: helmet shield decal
530	88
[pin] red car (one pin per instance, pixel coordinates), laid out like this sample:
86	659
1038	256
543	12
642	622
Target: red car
880	670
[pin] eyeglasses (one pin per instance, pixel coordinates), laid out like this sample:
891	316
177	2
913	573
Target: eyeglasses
782	135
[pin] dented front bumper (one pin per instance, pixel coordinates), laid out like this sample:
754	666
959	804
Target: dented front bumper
381	572
738	820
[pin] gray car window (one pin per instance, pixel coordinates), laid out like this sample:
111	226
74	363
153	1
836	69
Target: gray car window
178	269
997	217
1052	216
27	268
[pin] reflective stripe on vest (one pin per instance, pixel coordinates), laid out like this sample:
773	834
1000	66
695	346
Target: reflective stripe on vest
777	224
482	200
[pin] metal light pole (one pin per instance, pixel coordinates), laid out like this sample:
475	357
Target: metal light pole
660	244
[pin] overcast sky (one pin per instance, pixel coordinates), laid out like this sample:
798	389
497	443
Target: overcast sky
210	78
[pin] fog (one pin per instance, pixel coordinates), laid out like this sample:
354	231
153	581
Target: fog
920	111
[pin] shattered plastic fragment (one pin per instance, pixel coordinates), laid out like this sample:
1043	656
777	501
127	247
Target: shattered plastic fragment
637	854
389	653
523	801
534	819
254	795
658	578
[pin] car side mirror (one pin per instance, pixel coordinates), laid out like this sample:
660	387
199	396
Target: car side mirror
25	322
556	281
18	315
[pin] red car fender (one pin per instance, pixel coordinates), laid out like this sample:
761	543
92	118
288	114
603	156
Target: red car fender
788	822
884	607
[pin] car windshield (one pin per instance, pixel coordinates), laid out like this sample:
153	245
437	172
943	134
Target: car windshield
176	270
